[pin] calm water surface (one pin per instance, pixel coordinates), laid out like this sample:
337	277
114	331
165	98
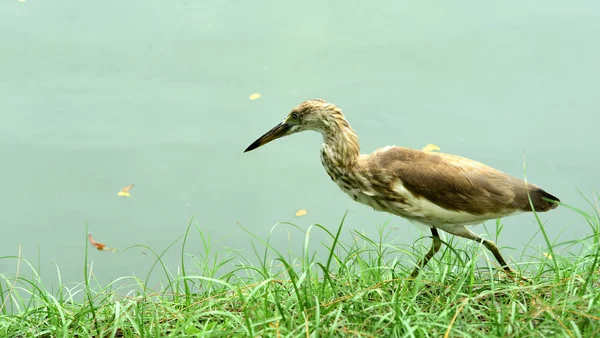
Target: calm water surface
96	95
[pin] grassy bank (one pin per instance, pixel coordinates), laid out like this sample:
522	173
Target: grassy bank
357	289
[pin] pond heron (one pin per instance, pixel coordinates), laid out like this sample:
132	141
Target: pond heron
438	190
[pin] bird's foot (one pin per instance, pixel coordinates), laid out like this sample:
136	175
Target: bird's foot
515	276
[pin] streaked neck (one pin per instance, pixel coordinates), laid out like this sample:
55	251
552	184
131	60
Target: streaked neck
340	149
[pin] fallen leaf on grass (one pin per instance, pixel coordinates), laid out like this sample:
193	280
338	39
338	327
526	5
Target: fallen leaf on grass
255	96
431	147
547	255
301	212
125	191
99	246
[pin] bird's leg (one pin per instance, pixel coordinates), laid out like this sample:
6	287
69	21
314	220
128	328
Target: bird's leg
435	247
468	234
496	252
494	249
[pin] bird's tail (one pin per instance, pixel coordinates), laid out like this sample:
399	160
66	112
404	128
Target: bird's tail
542	200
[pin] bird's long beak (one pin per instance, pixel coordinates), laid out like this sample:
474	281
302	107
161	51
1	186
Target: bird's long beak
275	133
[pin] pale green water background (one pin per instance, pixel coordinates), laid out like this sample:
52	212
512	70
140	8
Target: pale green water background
95	95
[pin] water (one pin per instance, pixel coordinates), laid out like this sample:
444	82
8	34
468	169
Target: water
94	96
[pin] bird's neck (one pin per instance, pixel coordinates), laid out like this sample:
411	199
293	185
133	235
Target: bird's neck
340	149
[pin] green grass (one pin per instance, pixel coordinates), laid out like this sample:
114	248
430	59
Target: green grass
354	289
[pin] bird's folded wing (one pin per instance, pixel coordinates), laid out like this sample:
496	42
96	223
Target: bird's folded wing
459	184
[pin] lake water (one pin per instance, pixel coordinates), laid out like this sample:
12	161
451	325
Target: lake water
97	95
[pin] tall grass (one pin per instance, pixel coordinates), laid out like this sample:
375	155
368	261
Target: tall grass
357	289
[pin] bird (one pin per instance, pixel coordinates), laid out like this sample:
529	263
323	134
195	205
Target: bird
441	191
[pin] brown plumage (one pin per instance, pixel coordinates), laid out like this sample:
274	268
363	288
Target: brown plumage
435	189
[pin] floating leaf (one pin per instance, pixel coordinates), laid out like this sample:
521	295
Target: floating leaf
431	147
255	96
125	191
301	212
99	246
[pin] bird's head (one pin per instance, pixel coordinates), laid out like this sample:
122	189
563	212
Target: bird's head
315	114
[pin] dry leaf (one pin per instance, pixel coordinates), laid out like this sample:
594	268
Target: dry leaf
301	212
125	191
255	96
99	246
431	147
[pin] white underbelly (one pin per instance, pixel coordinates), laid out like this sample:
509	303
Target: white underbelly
368	198
416	208
422	210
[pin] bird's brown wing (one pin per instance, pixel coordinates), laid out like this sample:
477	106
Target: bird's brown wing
459	184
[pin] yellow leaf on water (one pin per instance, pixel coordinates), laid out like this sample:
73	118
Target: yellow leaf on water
431	147
301	212
255	96
125	191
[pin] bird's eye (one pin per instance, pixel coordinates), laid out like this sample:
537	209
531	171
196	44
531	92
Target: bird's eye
295	116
